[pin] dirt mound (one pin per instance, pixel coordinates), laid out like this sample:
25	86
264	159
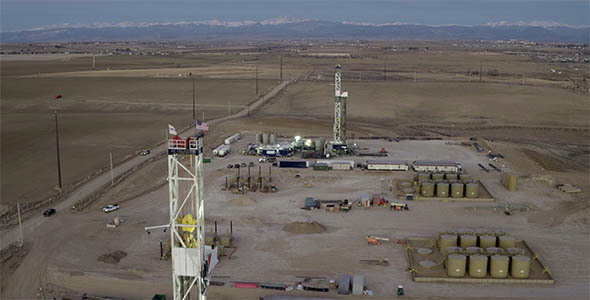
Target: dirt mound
242	201
113	257
304	227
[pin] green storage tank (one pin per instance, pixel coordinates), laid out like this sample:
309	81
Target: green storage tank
451	176
499	266
487	241
423	176
427	189
438	176
472	190
506	242
456	264
457	190
442	190
464	177
468	241
478	266
521	266
446	240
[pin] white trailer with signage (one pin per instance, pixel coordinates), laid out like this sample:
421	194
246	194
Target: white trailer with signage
437	166
387	165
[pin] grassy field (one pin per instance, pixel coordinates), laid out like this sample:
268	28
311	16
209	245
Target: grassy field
122	105
457	103
97	116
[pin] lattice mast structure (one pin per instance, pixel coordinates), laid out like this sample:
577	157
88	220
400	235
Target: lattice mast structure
187	217
339	109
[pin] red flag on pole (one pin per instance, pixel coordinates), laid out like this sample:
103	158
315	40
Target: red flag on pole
58	96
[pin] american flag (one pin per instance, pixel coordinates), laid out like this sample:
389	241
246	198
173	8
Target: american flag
202	126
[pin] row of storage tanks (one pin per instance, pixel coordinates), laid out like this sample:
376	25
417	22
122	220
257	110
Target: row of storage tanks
476	255
265	138
447	185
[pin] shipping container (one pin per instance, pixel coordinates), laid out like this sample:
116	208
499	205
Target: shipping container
341	166
437	166
321	167
387	165
293	164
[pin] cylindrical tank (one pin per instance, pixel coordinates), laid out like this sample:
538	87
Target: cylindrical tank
464	177
423	176
456	265
478	266
514	251
451	176
272	139
471	190
499	266
457	190
442	189
446	240
427	189
487	241
494	250
521	265
506	242
453	250
259	138
468	241
438	176
264	138
473	250
319	144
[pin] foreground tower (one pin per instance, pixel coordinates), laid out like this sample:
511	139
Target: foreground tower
339	110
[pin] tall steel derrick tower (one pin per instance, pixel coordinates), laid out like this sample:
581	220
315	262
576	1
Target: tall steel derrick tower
187	217
339	109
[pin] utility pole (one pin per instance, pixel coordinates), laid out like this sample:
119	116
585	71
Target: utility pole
93	62
384	72
20	225
257	79
112	176
480	71
194	112
203	116
57	148
281	68
228	108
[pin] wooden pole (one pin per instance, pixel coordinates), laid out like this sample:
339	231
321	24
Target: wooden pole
281	78
194	109
112	175
57	150
256	79
20	225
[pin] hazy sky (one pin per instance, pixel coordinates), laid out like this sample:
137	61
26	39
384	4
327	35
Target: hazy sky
24	14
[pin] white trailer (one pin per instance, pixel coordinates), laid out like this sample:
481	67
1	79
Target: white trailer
387	165
232	139
437	166
222	150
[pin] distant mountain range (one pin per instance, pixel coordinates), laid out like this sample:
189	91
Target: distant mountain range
296	28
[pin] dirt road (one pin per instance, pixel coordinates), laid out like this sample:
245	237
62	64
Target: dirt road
12	235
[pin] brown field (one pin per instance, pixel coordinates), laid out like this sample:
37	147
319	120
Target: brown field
538	119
